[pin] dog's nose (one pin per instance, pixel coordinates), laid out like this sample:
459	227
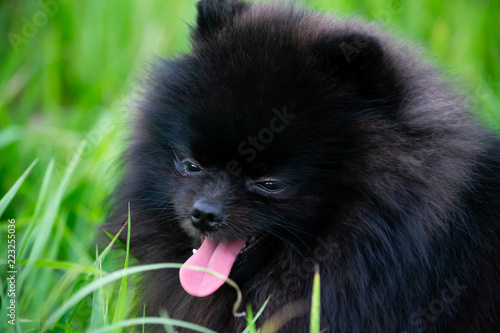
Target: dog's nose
206	216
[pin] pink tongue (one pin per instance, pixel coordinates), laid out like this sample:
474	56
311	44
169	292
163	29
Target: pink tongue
217	256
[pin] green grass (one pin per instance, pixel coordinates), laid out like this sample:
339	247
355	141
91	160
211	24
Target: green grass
65	90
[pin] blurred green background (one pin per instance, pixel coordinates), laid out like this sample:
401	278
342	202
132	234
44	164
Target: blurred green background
68	74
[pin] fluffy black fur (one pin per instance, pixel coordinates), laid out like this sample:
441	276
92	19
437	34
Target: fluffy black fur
390	185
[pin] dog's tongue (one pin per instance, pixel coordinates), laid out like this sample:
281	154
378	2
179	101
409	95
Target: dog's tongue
217	256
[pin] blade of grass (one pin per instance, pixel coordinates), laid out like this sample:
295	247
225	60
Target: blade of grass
121	303
284	315
4	202
110	245
68	317
41	199
44	227
261	310
315	303
86	290
44	188
118	242
250	320
143	316
7	198
62	265
168	328
97	316
80	294
157	321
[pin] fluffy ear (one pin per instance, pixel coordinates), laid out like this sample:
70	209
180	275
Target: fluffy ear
348	54
214	14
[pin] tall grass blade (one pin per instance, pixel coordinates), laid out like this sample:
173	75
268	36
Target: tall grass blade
315	303
7	198
261	310
44	227
250	320
41	199
121	304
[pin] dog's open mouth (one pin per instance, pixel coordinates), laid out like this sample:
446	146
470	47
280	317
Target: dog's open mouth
214	255
250	243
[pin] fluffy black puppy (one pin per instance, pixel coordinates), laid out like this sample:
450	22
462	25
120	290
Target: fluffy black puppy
288	138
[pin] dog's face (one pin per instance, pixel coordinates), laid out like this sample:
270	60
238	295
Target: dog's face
247	142
227	189
248	187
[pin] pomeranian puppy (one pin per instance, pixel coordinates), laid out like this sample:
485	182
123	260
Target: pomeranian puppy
288	139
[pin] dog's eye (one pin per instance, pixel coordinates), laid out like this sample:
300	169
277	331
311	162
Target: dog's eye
271	186
187	167
191	167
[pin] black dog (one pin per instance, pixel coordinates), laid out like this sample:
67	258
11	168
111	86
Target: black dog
288	138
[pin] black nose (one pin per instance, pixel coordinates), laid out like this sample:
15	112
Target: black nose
206	216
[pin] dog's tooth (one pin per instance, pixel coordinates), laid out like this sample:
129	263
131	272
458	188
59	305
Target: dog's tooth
194	251
245	245
252	239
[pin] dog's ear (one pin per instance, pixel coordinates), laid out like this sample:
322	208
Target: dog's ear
213	15
348	54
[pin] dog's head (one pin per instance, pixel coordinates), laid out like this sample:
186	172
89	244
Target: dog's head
244	145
